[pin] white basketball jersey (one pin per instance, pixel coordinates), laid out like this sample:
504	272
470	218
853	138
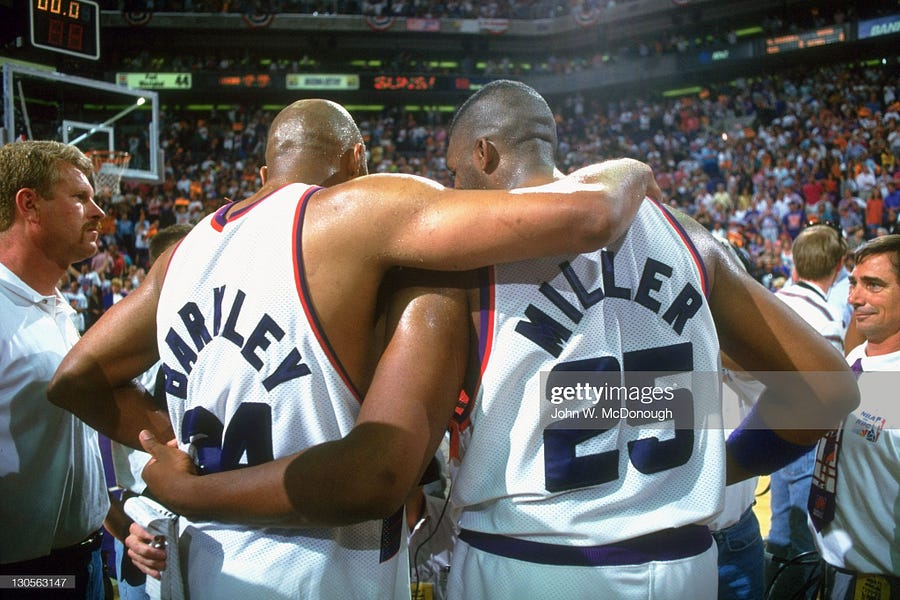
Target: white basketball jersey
250	378
598	415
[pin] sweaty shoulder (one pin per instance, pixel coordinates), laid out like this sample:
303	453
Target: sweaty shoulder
379	187
373	215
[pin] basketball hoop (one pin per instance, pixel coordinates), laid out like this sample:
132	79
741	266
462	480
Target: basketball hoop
109	165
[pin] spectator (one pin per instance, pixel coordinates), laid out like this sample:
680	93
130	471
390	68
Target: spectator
892	198
865	180
874	212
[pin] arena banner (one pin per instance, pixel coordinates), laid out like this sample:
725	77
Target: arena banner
380	23
878	27
258	21
493	26
319	81
423	24
138	18
586	17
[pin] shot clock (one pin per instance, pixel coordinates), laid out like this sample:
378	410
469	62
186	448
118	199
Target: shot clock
67	26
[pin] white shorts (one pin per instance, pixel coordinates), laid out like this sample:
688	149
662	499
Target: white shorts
477	573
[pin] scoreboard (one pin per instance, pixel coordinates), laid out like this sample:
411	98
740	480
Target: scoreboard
67	26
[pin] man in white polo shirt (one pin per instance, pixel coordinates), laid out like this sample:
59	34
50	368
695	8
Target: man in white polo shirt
818	259
856	484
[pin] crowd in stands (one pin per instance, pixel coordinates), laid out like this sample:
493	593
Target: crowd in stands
753	160
454	9
433	9
678	40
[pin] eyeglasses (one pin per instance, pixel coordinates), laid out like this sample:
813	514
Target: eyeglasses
828	223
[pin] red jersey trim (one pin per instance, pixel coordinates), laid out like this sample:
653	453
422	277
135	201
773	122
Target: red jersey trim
686	240
305	299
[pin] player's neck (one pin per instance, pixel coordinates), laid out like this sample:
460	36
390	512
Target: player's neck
267	189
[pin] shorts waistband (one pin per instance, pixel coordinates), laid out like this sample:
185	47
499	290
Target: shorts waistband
669	544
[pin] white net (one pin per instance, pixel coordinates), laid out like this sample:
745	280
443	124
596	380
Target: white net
108	168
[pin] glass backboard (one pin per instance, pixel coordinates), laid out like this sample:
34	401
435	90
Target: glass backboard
90	114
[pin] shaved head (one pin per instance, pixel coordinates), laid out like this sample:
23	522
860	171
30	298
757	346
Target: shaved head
308	141
503	136
507	111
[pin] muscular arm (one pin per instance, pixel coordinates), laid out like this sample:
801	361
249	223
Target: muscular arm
369	472
95	379
809	387
411	221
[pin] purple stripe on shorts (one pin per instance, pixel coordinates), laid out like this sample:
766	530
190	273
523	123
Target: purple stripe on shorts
669	544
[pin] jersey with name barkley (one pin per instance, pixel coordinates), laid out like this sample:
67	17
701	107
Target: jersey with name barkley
250	378
598	414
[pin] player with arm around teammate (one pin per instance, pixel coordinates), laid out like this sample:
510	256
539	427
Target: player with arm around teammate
239	346
558	497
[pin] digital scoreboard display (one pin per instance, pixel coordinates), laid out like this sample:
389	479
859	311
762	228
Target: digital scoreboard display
422	83
807	39
67	26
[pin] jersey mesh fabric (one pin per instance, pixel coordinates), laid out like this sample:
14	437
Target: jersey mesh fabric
247	381
503	483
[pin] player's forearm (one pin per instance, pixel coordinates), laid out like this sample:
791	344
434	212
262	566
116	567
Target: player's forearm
809	387
605	216
118	413
136	410
326	485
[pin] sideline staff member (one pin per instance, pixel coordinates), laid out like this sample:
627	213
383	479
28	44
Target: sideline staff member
52	487
856	482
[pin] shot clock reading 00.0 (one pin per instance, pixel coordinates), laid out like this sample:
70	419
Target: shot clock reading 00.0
67	26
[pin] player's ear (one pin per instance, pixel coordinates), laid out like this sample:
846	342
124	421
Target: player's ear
263	174
361	166
487	158
27	203
353	162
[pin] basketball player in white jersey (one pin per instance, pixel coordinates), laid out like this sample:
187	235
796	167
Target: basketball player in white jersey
558	497
856	482
264	318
